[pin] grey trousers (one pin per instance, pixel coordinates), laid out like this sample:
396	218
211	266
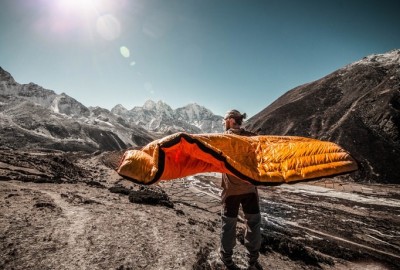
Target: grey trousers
229	214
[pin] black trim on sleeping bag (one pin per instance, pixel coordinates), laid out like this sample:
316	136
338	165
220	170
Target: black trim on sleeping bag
216	155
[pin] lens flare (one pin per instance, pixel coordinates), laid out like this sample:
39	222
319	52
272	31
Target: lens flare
124	51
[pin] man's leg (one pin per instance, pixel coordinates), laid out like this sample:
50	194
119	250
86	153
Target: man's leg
253	236
228	238
228	228
252	215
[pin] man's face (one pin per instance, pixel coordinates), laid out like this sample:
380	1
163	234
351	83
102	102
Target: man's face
228	123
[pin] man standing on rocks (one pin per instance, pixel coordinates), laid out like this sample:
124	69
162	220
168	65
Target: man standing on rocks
236	192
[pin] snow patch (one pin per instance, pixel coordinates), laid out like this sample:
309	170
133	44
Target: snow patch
385	59
54	105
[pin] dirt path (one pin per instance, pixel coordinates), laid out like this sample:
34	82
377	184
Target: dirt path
73	221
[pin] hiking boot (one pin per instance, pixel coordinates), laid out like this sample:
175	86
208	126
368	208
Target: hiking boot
229	264
255	266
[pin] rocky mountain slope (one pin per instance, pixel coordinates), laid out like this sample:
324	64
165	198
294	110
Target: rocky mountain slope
357	106
160	117
34	117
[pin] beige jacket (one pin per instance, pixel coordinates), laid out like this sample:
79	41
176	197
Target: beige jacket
232	185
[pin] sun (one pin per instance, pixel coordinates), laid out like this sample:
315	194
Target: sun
83	18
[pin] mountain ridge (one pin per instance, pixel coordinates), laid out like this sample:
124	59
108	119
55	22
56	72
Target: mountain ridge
357	106
43	118
160	117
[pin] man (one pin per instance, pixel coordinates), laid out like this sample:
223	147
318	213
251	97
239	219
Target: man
236	192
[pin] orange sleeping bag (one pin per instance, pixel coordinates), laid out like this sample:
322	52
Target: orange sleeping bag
260	160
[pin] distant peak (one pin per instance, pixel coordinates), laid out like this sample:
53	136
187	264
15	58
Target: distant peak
149	104
5	76
197	107
163	104
119	109
119	106
389	58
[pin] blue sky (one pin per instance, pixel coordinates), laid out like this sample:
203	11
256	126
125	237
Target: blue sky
219	54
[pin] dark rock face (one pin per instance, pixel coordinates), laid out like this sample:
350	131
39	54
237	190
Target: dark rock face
152	196
141	139
40	167
106	140
357	107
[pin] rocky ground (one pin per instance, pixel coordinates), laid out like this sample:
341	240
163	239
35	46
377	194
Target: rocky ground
71	211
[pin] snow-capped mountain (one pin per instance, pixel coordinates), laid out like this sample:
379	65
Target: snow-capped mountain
34	117
160	117
201	117
34	93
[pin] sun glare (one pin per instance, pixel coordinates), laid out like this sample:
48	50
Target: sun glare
85	17
78	5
